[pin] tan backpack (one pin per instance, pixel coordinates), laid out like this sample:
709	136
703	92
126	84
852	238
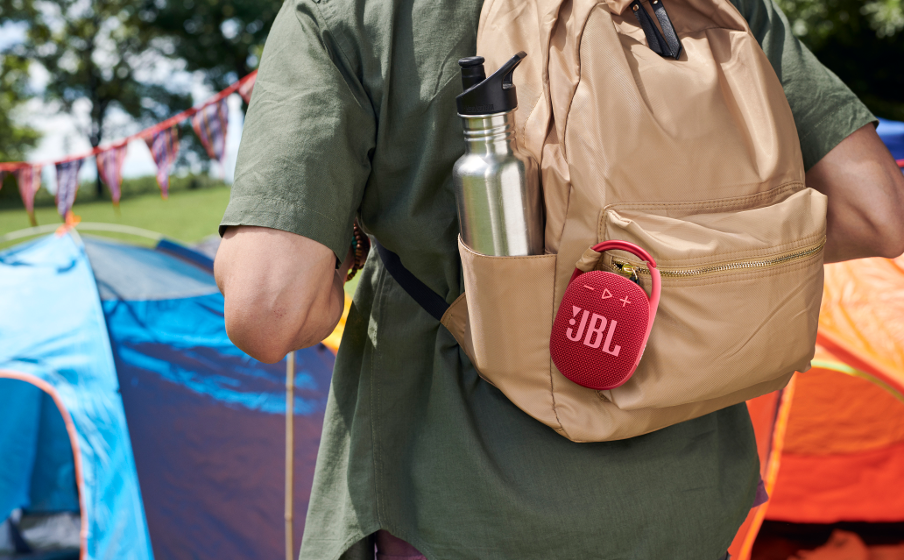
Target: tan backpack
695	159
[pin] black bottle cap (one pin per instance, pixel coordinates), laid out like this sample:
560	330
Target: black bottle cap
471	71
485	96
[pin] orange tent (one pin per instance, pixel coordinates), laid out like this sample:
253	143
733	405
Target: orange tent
832	443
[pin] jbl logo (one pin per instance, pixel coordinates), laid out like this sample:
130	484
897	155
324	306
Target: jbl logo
594	331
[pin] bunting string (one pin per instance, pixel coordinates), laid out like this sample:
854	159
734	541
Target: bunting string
245	88
209	121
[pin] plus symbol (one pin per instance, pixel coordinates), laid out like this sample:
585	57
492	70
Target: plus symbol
624	301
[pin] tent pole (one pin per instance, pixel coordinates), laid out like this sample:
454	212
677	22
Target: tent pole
290	450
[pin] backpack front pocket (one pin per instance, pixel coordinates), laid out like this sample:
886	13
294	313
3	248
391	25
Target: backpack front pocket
740	300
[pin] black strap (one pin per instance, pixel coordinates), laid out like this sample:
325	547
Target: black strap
671	38
665	46
432	302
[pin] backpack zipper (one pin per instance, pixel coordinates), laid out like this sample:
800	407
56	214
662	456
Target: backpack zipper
627	268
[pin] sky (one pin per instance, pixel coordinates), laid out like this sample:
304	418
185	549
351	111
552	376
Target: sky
60	131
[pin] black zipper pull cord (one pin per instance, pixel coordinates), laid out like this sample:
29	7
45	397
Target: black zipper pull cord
668	30
665	46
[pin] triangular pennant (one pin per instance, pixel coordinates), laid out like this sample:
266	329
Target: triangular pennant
164	146
109	168
247	87
210	126
574	310
67	185
606	293
29	180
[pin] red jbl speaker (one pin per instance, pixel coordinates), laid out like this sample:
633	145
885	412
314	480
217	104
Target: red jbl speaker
603	323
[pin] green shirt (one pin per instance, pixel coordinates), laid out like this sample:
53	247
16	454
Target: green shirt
354	113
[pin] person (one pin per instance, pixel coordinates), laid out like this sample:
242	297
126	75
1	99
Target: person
353	116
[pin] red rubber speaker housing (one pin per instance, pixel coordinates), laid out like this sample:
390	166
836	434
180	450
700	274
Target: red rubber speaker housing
603	323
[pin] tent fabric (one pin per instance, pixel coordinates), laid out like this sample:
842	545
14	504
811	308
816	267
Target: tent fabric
53	488
135	273
769	414
108	333
207	421
892	134
22	402
844	452
860	318
40	474
53	336
844	448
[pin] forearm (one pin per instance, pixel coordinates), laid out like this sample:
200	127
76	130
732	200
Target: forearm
282	291
865	189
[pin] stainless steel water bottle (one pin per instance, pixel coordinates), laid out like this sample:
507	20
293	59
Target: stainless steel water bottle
497	188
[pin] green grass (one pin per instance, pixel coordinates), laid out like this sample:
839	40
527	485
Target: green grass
187	215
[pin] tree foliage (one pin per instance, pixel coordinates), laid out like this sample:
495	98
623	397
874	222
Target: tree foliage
108	54
15	138
221	39
862	42
99	52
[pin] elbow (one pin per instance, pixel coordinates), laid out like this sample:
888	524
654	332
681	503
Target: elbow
891	245
269	313
249	332
887	239
268	333
874	231
891	226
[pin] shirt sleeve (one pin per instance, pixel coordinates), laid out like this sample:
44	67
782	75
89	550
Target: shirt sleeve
825	110
304	156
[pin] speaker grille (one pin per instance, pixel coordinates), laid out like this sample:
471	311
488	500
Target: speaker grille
598	333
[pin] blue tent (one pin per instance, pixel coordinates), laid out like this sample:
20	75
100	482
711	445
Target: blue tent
892	133
122	399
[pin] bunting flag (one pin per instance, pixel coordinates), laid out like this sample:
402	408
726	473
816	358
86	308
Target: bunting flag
67	185
210	126
164	147
109	168
246	87
29	179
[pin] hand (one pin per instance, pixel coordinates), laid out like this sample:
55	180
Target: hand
282	290
865	188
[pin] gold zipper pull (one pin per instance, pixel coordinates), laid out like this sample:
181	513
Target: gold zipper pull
628	272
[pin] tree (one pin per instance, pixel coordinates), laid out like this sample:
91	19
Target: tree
15	139
221	39
99	51
862	42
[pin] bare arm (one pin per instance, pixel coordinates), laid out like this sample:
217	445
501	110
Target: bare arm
282	290
865	188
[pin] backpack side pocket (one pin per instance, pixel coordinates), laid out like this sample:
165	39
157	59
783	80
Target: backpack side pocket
510	311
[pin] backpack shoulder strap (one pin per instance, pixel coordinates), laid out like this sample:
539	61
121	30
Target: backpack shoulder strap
432	302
